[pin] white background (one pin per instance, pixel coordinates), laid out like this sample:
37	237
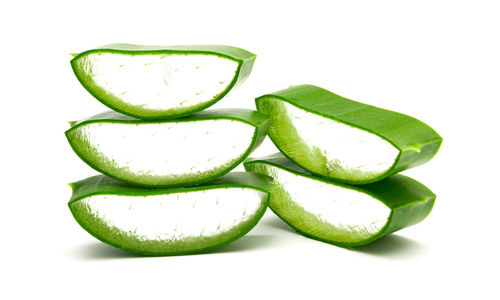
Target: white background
438	61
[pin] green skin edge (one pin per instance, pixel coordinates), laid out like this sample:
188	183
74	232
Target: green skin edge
103	185
253	118
244	59
409	200
417	142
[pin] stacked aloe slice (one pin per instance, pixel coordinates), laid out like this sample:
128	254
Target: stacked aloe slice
336	175
165	188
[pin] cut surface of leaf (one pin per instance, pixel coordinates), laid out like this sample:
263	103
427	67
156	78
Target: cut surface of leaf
338	213
195	149
170	221
338	138
159	82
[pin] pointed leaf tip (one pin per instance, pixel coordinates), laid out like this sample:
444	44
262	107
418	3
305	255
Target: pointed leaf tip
73	54
71	123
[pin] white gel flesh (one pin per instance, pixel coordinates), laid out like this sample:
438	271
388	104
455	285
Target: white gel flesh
169	149
160	82
348	210
178	215
349	152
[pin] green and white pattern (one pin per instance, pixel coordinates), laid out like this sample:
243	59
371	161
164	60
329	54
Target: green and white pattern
165	153
170	221
159	82
348	141
338	213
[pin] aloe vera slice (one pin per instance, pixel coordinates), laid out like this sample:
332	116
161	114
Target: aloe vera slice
341	214
160	82
190	150
170	221
338	138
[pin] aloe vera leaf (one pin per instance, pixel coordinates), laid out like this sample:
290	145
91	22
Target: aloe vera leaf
338	138
338	213
173	221
161	82
184	151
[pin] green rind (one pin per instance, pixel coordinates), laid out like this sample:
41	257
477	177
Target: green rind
103	185
409	200
244	59
417	142
259	121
